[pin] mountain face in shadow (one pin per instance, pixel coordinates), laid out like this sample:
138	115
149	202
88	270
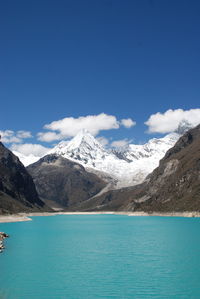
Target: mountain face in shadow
17	189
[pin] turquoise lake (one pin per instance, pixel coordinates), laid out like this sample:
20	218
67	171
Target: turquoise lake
101	256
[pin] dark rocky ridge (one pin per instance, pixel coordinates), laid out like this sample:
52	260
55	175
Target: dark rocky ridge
17	190
172	187
63	183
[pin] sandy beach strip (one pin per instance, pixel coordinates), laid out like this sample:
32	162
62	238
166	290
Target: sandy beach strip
166	214
13	218
127	213
26	216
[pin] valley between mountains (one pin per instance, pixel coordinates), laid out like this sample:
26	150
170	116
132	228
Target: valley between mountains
162	175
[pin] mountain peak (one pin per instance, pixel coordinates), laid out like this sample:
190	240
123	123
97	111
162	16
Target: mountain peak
84	139
82	148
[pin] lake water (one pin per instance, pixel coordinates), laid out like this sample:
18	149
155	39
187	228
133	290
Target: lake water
101	256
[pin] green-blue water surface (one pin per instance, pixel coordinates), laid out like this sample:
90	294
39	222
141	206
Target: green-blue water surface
101	256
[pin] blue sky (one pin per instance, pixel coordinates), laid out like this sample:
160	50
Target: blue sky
128	59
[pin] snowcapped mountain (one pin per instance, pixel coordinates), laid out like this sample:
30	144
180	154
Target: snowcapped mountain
26	159
128	166
155	147
83	148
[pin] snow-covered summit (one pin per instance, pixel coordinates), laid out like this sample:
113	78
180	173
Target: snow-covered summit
84	140
83	148
154	147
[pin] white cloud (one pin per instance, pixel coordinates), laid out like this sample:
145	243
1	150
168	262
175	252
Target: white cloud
9	136
128	123
49	136
120	143
70	126
30	149
24	134
169	121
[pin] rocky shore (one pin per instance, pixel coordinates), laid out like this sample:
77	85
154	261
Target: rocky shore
2	237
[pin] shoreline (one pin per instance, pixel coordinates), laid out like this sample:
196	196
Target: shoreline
21	217
13	218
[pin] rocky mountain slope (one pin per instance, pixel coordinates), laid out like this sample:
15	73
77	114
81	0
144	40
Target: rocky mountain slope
17	190
173	186
62	183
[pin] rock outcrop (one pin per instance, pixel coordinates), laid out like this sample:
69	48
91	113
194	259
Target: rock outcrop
2	237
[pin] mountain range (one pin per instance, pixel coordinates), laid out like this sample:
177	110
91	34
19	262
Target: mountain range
83	175
126	166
